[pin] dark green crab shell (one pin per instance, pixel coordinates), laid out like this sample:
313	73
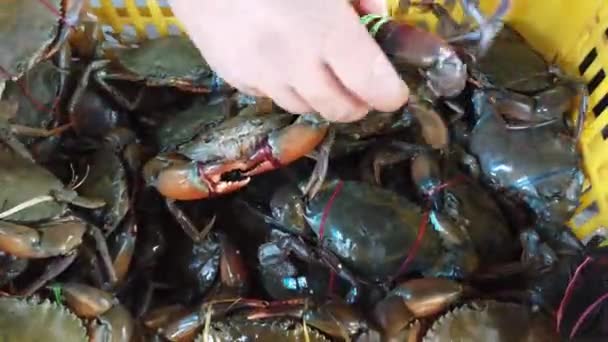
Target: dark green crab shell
510	59
27	29
264	331
30	320
20	181
492	321
165	59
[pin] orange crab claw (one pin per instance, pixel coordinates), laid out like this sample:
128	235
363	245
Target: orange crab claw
287	146
183	180
176	179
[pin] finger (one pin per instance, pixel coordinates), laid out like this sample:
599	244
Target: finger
362	67
251	91
326	95
287	98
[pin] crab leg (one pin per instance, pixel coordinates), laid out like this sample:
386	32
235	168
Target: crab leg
100	76
183	220
52	270
187	324
124	247
86	301
72	10
532	111
488	29
383	156
102	247
304	252
320	171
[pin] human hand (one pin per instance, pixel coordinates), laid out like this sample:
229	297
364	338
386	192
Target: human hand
307	55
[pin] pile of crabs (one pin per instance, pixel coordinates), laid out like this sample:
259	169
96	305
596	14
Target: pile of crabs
144	199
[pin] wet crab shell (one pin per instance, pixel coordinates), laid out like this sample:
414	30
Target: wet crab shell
107	180
23	180
492	321
265	330
548	177
30	320
43	84
162	59
28	29
511	60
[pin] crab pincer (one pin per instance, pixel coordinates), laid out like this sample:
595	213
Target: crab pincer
223	160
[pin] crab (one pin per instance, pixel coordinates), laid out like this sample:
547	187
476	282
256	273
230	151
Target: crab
88	314
298	320
492	320
23	45
371	230
36	221
539	165
172	61
244	145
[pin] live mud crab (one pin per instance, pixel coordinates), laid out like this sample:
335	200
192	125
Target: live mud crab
111	177
89	314
284	278
172	61
526	90
36	96
36	222
519	101
467	204
433	309
492	320
23	45
430	66
298	320
539	165
245	145
372	231
410	47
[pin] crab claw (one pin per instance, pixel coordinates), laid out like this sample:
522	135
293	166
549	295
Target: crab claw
48	240
175	178
184	180
86	301
428	296
288	145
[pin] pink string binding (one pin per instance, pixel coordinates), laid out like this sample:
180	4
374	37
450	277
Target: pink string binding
324	216
569	291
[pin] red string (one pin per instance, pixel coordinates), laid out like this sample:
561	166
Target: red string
586	313
569	291
52	9
447	184
423	223
56	12
25	91
37	105
414	250
324	216
332	281
327	208
421	228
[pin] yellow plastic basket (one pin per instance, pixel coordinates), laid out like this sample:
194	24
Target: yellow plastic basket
574	34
